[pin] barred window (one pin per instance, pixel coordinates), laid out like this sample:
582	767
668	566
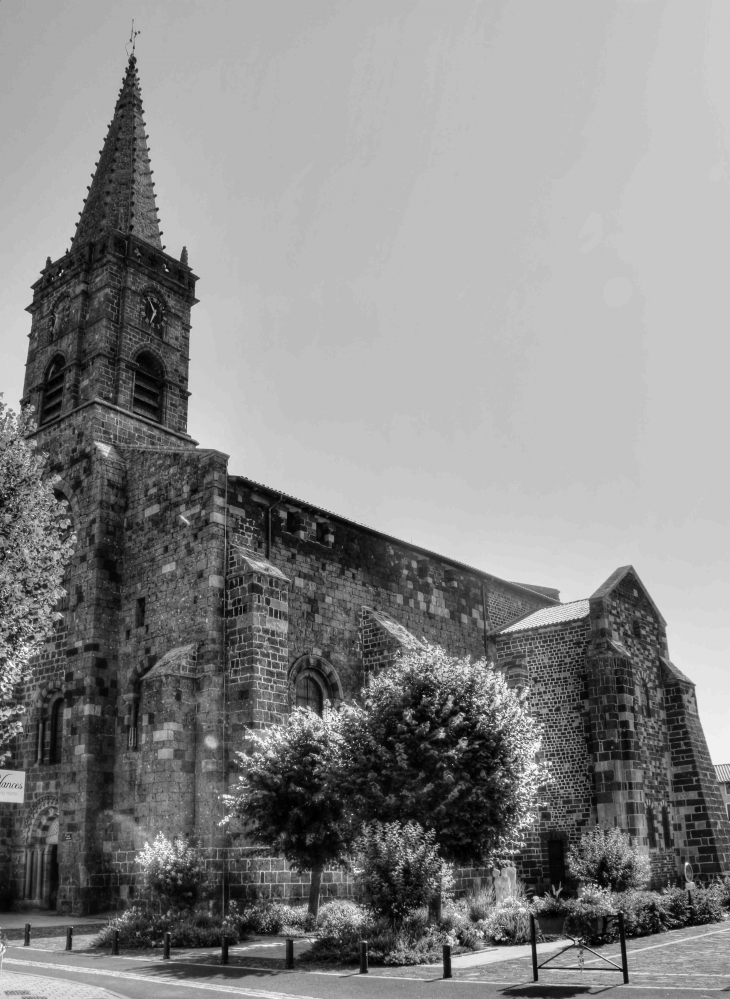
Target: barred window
53	390
147	398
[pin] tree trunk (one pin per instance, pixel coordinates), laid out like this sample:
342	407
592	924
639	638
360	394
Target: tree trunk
314	888
435	907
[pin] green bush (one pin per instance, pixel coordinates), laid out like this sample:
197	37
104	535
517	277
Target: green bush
509	921
480	905
341	920
399	868
607	858
270	916
722	890
645	912
675	904
140	929
172	872
706	906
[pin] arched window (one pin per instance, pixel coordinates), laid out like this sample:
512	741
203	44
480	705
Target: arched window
52	400
666	828
134	736
56	742
309	695
147	398
650	827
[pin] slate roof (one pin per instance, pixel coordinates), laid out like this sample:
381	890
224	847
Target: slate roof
122	194
723	772
547	616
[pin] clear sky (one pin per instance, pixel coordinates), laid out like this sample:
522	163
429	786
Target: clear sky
464	265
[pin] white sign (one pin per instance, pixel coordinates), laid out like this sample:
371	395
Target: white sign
12	786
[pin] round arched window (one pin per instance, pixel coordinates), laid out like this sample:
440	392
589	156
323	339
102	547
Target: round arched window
309	695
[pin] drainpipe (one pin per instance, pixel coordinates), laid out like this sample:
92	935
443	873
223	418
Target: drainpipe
487	627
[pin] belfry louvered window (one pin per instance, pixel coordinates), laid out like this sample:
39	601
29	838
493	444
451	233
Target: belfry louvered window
147	400
53	390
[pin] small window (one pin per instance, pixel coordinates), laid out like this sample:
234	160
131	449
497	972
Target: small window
666	828
556	862
53	390
293	521
636	628
56	745
647	698
147	399
140	612
309	695
650	827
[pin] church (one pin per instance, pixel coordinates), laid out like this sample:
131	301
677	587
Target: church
201	605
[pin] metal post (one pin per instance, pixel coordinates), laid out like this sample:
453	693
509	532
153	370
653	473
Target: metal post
363	957
115	943
289	960
166	948
533	941
622	938
26	938
447	960
224	950
69	937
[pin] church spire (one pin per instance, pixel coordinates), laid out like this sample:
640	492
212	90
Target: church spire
122	195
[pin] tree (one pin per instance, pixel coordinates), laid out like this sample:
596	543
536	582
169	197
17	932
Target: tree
606	857
34	552
288	797
443	742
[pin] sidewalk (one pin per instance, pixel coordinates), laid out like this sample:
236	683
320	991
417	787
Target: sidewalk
35	987
47	917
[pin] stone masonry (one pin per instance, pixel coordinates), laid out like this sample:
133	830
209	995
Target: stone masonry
201	605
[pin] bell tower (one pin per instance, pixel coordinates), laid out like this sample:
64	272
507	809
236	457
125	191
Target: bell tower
111	317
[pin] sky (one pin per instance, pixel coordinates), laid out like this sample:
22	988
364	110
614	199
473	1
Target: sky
463	266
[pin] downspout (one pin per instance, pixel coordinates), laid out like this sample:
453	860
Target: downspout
487	624
224	712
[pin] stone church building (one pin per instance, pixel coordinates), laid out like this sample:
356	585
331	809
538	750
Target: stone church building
201	604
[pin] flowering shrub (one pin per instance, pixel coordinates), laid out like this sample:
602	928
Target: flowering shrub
480	905
509	921
270	916
341	920
644	912
606	858
399	868
551	904
172	872
139	929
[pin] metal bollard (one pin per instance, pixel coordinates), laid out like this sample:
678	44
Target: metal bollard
533	944
447	960
115	943
622	938
289	960
166	948
26	937
224	950
69	937
363	957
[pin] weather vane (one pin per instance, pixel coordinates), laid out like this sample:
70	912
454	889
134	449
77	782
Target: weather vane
132	39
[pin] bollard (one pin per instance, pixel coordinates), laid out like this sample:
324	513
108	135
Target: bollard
447	960
115	943
363	957
533	944
224	950
166	948
69	937
289	960
26	938
622	938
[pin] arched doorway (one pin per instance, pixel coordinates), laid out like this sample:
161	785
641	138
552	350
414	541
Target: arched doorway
40	886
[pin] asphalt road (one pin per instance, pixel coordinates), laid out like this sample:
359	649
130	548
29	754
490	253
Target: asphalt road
144	979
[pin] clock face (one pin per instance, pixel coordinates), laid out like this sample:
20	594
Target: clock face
154	311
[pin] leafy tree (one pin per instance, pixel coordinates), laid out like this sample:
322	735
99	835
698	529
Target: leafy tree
34	552
605	857
400	868
173	873
443	742
288	796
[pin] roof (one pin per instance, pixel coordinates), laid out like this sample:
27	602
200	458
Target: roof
122	194
339	519
574	611
616	577
722	770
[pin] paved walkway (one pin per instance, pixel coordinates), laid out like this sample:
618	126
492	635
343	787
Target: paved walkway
34	987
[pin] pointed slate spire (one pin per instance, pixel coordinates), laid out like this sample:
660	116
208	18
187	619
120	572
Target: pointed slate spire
122	194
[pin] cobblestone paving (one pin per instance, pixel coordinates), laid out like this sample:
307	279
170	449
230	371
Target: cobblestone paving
36	987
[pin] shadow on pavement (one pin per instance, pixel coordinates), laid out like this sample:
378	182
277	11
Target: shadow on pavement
539	991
